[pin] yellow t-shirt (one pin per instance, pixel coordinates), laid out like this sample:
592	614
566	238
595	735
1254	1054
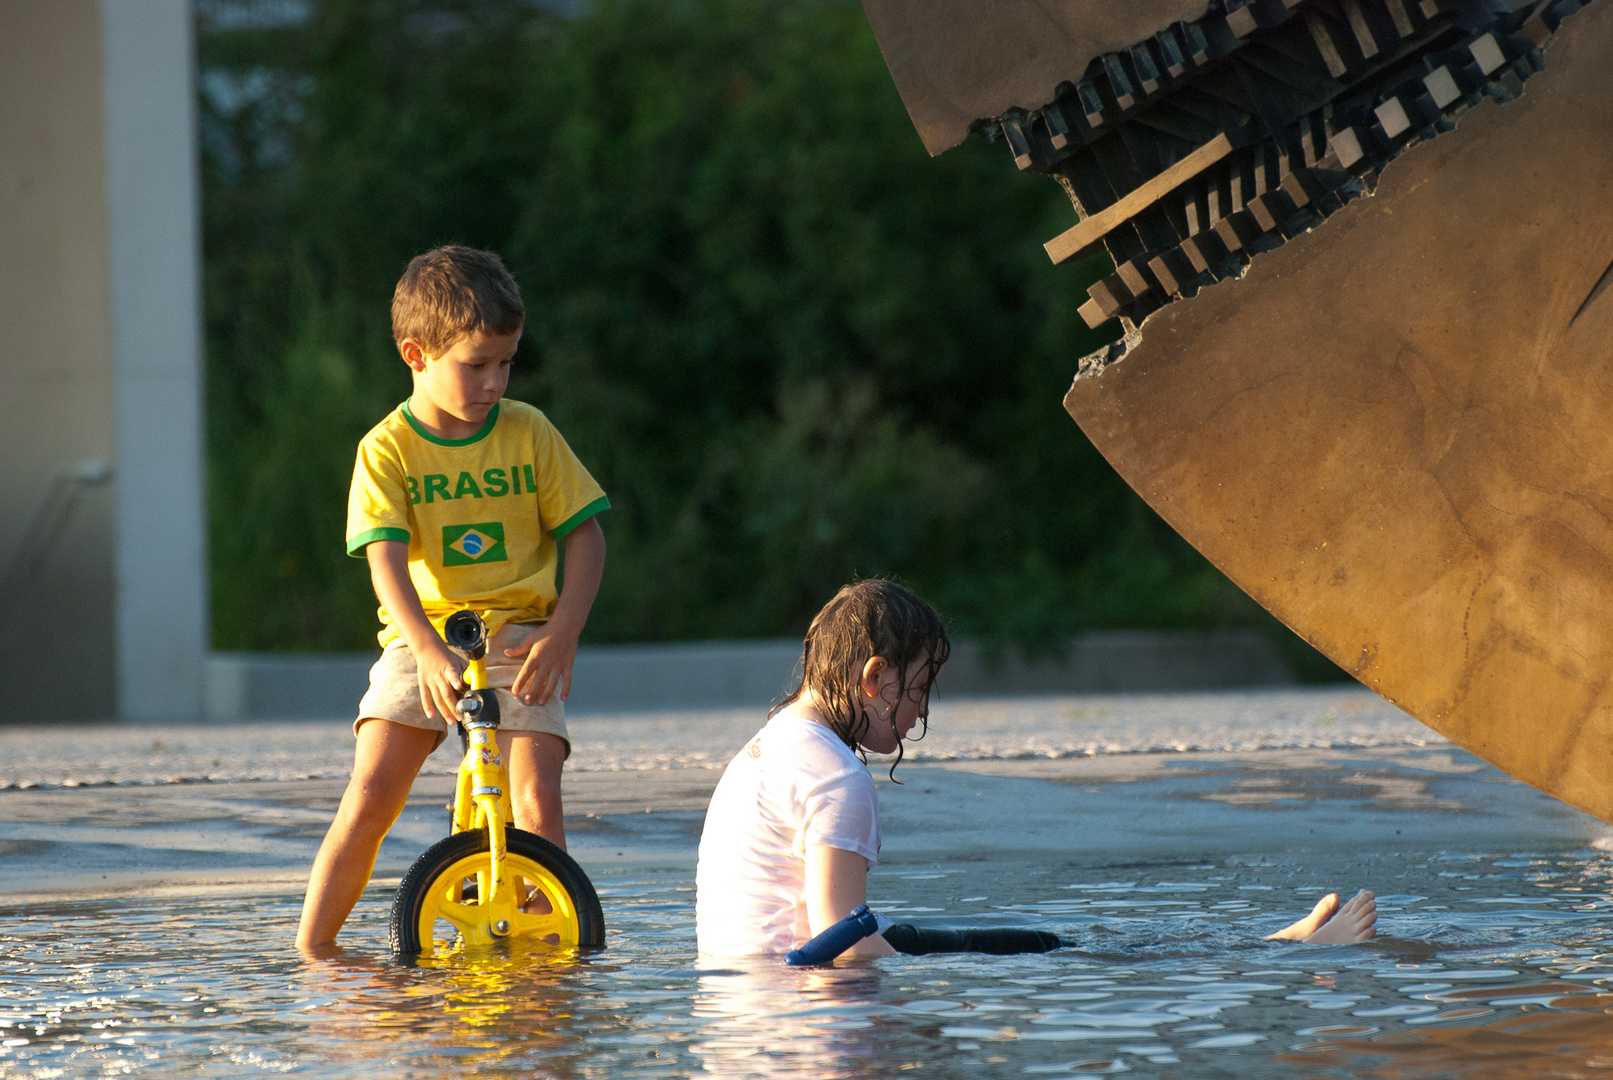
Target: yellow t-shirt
480	515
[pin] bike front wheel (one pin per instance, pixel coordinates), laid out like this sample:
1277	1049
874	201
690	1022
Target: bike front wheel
442	903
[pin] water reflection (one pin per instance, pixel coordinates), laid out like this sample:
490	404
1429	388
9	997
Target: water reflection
774	1021
1560	1030
1502	964
498	1011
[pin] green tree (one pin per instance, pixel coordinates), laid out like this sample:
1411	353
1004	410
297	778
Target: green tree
791	346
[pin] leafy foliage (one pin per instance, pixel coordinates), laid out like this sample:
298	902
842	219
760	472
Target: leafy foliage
791	346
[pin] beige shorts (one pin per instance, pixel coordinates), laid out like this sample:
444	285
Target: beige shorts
394	692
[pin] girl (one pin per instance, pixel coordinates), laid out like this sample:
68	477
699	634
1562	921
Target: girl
793	825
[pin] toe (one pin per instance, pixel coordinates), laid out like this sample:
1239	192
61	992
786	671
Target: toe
1326	908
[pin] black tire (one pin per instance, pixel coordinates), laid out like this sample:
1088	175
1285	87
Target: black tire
424	876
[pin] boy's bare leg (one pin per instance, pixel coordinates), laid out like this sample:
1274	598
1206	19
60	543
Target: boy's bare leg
534	760
1330	924
385	763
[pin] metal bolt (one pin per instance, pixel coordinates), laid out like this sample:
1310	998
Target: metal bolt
501	927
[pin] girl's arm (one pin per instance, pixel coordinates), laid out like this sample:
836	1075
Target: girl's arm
836	882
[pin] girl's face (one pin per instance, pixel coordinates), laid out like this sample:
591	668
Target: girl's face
879	687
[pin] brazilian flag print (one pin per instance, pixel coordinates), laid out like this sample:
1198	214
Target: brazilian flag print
471	545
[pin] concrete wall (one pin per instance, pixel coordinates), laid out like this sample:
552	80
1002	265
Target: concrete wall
155	254
56	397
752	674
102	549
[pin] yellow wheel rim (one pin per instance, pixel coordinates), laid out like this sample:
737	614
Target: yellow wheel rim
449	919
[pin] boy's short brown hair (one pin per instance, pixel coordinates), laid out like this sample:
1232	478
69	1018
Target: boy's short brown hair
454	291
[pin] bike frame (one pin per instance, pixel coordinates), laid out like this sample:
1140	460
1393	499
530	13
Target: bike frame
482	802
481	792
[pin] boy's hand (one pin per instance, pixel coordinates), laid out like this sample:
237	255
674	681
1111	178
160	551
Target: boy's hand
440	672
550	651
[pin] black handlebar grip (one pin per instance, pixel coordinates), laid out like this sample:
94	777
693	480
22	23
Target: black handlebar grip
466	632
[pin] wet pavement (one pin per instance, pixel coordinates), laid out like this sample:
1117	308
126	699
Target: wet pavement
124	809
1325	717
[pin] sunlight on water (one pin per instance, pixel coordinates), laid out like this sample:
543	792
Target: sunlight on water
1496	966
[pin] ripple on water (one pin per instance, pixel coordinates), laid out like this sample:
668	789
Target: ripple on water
172	986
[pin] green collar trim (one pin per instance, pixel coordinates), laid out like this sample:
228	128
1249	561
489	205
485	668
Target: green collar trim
420	429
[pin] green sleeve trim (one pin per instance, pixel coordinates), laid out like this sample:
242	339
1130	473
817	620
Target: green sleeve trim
420	430
559	531
357	544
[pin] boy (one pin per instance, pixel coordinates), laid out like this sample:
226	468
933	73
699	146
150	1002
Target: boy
458	500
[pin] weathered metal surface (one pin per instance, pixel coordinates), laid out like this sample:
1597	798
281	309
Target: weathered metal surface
956	61
1393	431
1199	144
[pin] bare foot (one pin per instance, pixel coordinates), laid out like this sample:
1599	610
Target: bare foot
1330	924
1356	921
1323	911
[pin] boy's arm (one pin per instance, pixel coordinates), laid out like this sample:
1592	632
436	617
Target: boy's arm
437	666
551	649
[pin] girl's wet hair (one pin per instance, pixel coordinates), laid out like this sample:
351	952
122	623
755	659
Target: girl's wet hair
868	618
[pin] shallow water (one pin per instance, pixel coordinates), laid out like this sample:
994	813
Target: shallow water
1500	963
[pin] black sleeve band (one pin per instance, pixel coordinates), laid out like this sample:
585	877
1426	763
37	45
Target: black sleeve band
995	940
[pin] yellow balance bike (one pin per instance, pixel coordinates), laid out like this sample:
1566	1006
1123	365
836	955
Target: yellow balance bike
489	881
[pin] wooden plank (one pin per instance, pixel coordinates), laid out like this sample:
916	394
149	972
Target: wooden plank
1395	119
1172	270
1204	250
1136	276
1311	184
1171	50
1443	87
1349	146
1358	24
1080	240
1058	129
1217	197
1197	210
1326	47
1110	295
1271	210
1092	314
1488	54
1197	46
1091	103
1244	19
1119	82
1142	62
1014	135
1238	230
1402	18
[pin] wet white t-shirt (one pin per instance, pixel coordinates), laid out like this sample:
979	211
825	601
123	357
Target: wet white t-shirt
794	785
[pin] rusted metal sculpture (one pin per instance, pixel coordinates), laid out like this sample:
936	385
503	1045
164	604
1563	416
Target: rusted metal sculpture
1364	256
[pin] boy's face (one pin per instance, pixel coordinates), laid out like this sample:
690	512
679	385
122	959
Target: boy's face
467	380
